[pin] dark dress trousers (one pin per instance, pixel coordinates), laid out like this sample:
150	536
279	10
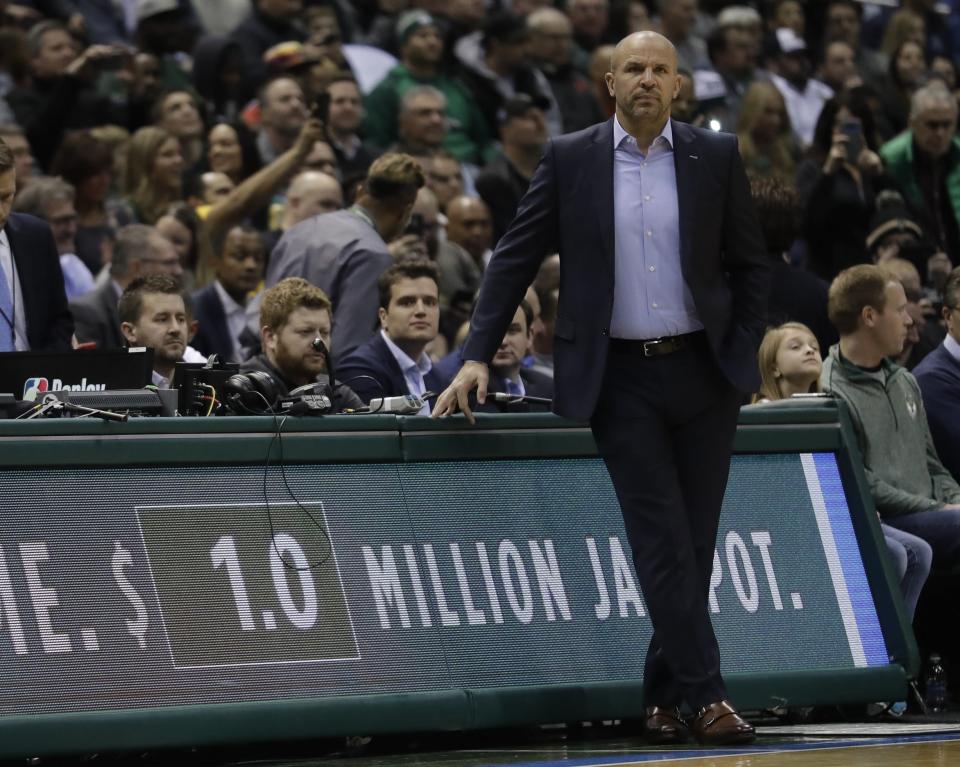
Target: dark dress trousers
664	425
49	323
371	371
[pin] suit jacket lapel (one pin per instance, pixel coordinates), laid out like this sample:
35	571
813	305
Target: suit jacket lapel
598	170
686	161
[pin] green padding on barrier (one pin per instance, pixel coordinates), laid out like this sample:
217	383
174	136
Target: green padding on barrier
834	686
493	436
180	726
231	723
159	441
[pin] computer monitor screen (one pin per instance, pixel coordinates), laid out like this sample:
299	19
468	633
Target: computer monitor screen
30	375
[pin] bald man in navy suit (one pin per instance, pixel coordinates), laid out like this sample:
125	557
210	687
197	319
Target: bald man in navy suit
663	289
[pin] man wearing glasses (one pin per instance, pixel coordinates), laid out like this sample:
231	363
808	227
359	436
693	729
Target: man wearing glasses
939	378
139	251
925	163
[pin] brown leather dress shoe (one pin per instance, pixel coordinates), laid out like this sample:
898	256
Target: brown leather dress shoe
719	724
665	726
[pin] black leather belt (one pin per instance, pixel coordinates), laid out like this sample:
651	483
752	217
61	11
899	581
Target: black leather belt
654	347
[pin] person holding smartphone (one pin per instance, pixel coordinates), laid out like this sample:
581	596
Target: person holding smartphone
837	182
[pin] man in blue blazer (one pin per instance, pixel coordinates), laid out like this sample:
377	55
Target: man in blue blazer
394	362
33	303
663	289
939	378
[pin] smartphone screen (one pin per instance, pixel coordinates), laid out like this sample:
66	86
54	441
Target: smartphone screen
321	106
853	130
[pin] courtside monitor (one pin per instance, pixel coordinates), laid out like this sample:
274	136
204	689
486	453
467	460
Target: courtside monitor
30	375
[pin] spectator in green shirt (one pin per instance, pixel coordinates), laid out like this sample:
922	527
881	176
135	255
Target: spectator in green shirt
421	53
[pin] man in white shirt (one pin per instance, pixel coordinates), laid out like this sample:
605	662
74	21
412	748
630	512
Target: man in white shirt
394	362
804	96
33	305
221	307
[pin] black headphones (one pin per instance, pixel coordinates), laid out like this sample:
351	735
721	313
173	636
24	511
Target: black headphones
254	393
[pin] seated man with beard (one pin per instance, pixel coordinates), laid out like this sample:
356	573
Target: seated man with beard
293	314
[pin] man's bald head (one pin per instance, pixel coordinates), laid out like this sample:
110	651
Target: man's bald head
469	224
639	41
310	194
643	80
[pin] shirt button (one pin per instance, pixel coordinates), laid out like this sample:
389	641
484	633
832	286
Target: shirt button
647	197
649	233
654	306
653	268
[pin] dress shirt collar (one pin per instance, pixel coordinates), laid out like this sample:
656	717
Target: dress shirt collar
952	346
160	381
230	306
619	134
4	242
422	365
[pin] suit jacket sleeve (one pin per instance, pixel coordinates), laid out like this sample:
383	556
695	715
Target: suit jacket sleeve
355	299
744	255
49	322
351	373
532	235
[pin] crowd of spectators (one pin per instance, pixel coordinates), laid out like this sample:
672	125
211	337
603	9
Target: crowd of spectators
378	149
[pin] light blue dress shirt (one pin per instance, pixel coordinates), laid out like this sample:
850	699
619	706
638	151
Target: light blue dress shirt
650	297
413	371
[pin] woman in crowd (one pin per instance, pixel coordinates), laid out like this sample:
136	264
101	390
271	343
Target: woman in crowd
180	225
837	182
790	363
904	25
231	150
908	65
766	139
154	168
86	163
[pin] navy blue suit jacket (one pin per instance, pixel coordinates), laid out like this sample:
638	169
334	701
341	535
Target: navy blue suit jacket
568	208
374	359
213	333
49	322
939	378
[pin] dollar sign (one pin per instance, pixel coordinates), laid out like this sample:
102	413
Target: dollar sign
137	627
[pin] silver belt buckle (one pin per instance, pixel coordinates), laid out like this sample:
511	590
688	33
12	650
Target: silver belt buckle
649	346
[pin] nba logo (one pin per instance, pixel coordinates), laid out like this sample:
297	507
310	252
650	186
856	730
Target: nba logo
34	387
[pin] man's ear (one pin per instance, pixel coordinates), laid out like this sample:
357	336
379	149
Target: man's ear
608	79
869	316
382	314
129	332
268	338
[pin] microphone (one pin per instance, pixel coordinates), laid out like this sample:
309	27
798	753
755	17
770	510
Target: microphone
319	346
408	404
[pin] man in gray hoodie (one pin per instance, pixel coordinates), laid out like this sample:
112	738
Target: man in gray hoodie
911	489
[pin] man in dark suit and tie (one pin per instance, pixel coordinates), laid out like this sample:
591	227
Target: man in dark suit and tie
663	289
220	308
33	303
394	361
